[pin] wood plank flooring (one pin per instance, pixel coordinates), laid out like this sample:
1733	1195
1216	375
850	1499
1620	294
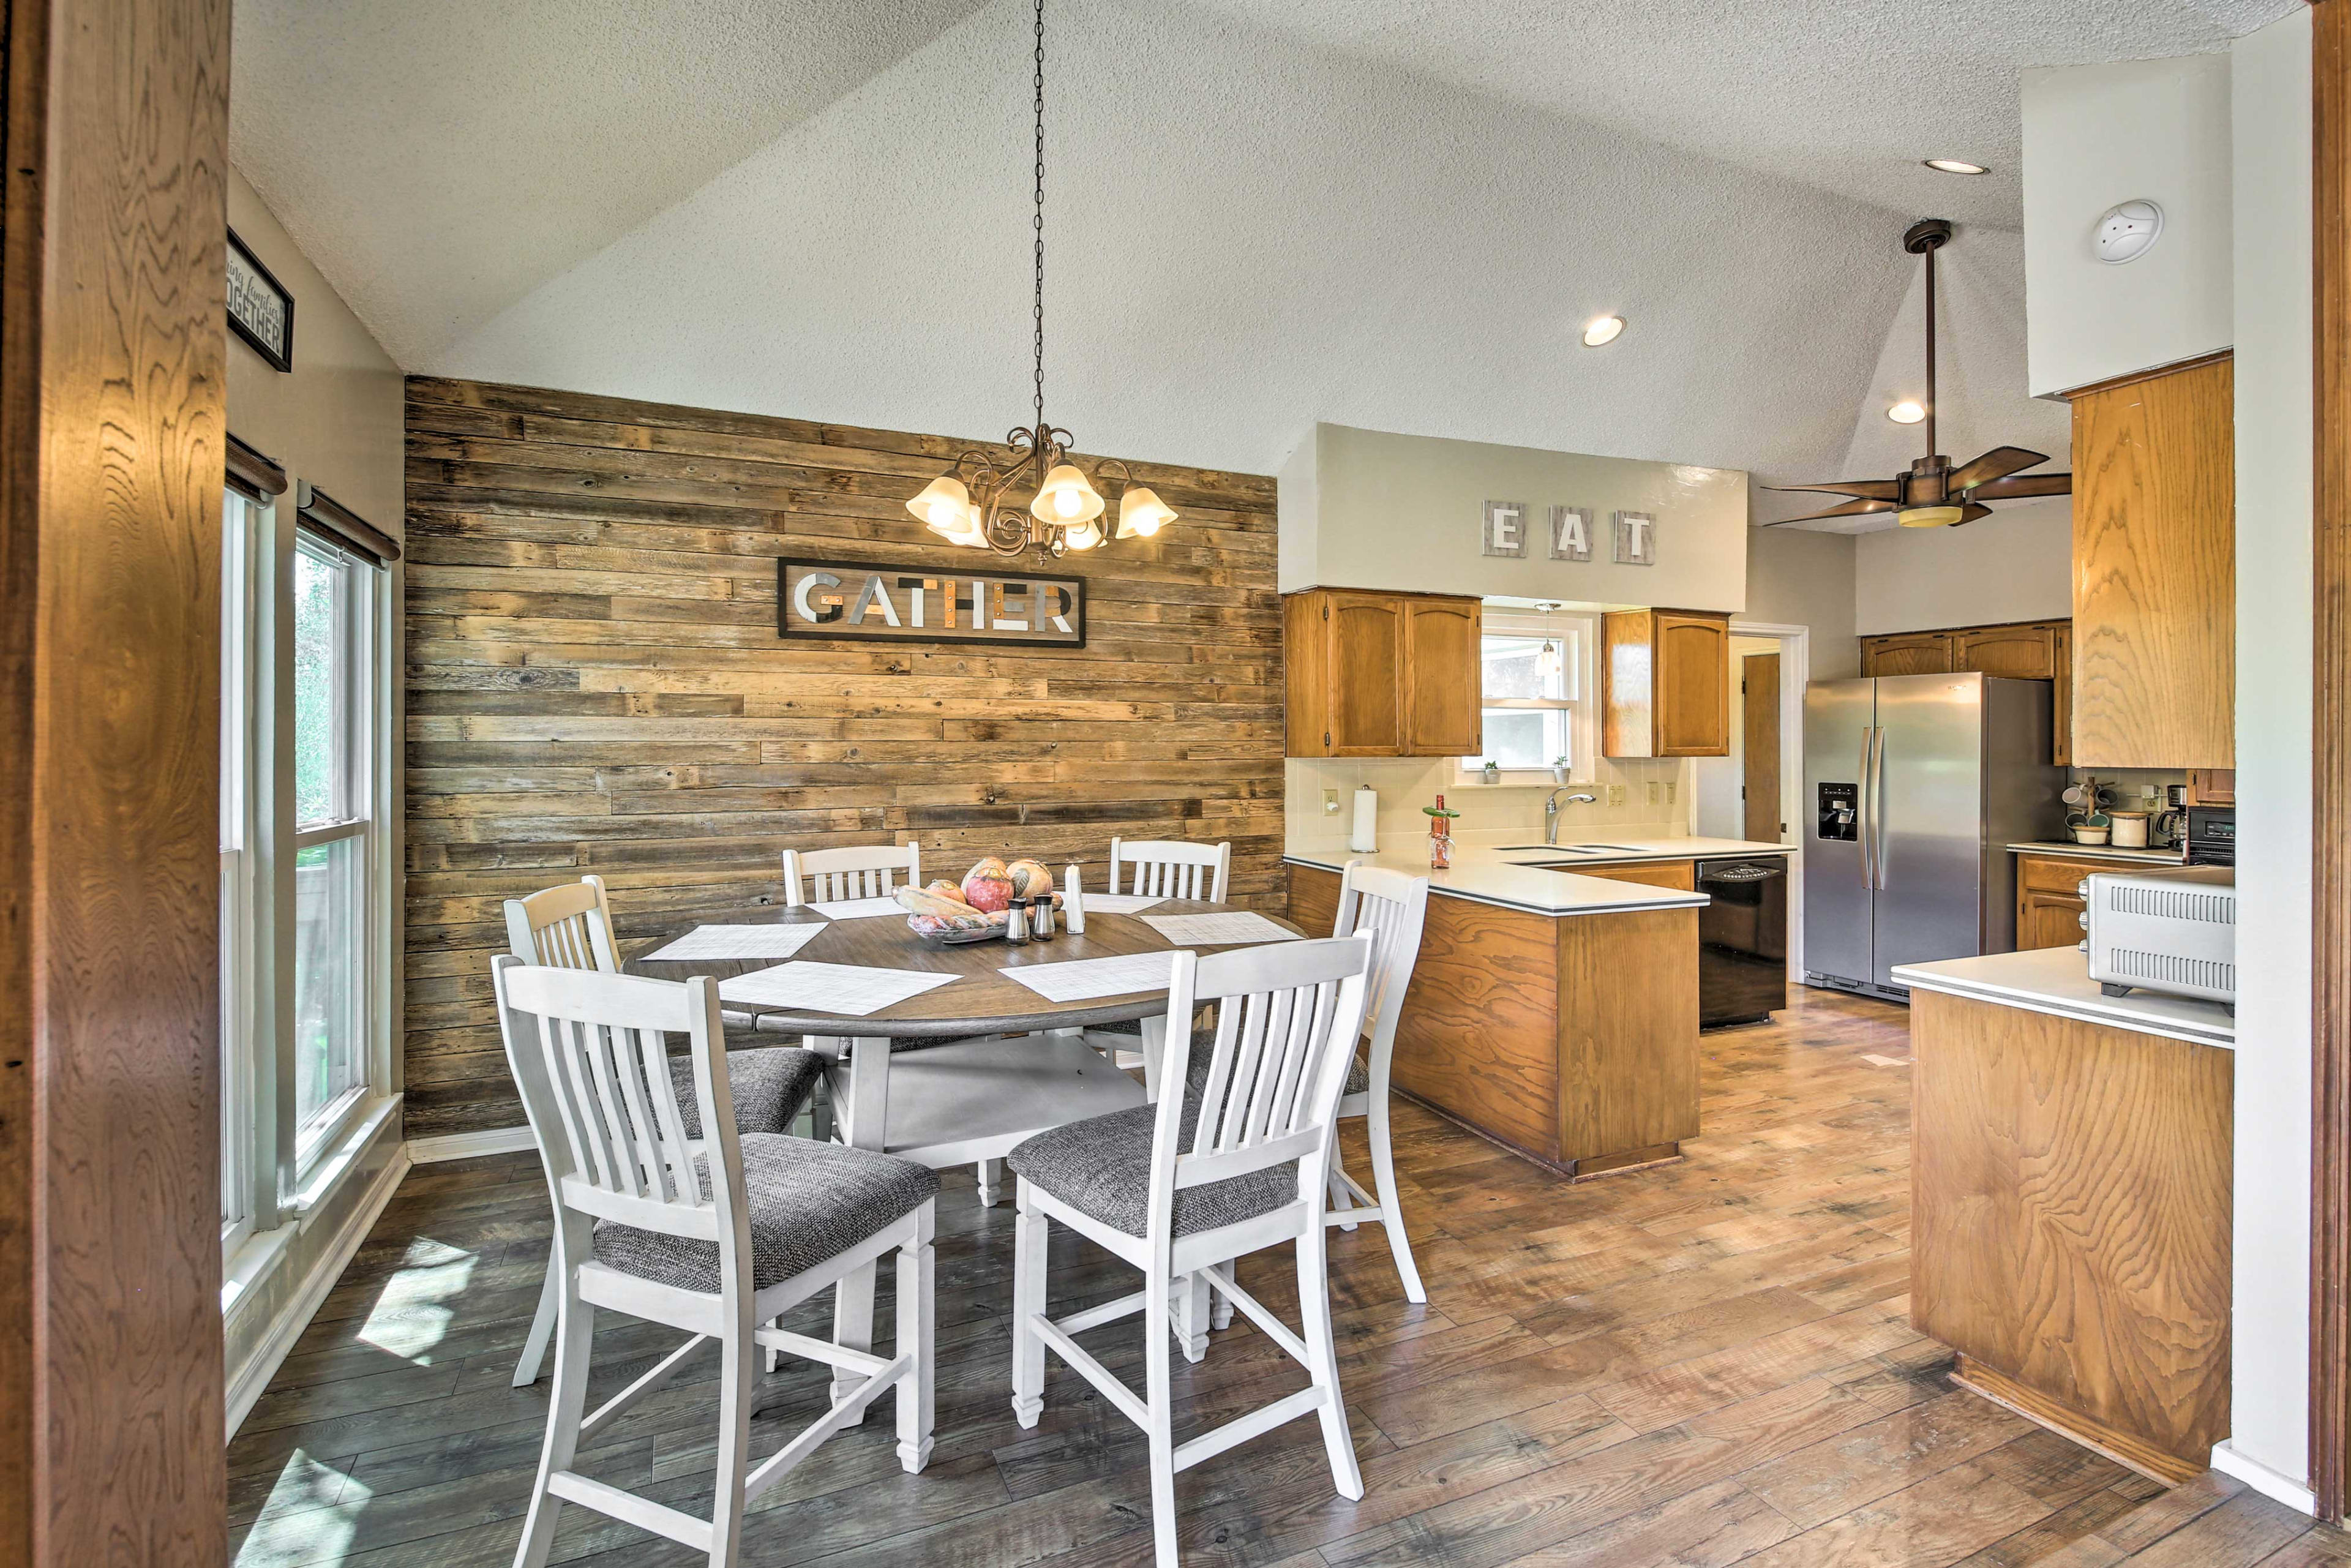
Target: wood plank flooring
1703	1363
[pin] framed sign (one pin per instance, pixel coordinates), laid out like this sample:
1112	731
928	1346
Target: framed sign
1636	540
830	601
1571	533
1505	530
260	311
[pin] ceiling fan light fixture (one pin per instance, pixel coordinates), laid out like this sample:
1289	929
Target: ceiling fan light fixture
1942	516
1602	330
1954	166
1910	411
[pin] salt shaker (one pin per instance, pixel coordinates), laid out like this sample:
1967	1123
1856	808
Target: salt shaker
1015	922
1040	917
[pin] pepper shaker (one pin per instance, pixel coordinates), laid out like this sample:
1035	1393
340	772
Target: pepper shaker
1015	922
1040	917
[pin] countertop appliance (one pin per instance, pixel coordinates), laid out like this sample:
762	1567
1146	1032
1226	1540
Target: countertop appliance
2212	835
2171	931
1742	939
1913	787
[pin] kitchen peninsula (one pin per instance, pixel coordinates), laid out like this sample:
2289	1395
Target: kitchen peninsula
1554	1011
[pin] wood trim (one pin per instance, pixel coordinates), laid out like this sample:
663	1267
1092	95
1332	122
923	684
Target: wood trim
2330	1174
112	435
2193	361
2094	1435
328	515
253	473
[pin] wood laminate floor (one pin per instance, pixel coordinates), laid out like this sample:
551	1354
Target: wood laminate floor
1704	1363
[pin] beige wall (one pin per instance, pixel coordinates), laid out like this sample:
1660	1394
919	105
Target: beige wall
2015	565
1364	509
1796	577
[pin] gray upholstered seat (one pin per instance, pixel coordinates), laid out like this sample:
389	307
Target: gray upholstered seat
1359	1077
1101	1167
810	1202
769	1082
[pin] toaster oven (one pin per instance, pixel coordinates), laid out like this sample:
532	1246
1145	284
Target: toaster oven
2172	931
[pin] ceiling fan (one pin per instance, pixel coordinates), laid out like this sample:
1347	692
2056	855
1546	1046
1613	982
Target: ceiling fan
1933	493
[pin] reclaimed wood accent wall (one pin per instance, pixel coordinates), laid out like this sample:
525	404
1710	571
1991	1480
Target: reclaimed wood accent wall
595	683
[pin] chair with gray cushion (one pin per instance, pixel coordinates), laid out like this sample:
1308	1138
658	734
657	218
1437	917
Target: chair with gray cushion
714	1236
1237	1163
570	926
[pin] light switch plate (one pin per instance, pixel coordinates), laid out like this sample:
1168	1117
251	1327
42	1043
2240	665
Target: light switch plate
1653	791
1615	794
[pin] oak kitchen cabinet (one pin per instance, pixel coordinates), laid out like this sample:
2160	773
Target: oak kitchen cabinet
2155	580
1382	674
1665	682
2025	650
2051	899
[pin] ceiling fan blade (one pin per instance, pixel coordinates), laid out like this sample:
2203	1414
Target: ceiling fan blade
1997	463
1850	510
1969	513
1875	489
2025	484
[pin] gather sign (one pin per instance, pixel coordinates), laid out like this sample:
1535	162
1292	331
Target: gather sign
831	599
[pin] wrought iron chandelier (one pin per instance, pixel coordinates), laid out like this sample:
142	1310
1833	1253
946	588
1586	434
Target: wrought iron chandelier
967	504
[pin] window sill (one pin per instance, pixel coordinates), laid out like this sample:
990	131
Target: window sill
256	1258
367	1120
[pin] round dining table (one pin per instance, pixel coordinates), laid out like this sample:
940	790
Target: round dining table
1014	1063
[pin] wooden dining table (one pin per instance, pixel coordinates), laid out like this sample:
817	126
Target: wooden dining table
1015	1064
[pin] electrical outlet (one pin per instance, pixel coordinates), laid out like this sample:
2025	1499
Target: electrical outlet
1653	791
1329	802
1615	794
1673	788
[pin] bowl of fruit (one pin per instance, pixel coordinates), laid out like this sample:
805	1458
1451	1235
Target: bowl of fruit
948	913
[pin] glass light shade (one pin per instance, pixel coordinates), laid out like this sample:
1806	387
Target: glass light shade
943	505
1084	535
1066	498
1930	516
1547	666
1142	513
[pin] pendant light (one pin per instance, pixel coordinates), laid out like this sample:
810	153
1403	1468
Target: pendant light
1550	660
968	504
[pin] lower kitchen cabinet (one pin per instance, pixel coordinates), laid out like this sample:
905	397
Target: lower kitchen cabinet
1680	875
2051	899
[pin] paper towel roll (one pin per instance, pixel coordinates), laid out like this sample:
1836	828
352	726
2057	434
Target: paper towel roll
1361	838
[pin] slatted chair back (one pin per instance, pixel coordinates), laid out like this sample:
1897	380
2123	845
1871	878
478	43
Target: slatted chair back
589	1053
1286	1017
862	870
1171	868
1391	906
568	926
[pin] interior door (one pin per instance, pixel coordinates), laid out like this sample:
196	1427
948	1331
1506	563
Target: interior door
1759	688
1840	717
1929	821
1444	677
1367	675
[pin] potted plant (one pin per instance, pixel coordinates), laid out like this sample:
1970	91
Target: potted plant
1492	771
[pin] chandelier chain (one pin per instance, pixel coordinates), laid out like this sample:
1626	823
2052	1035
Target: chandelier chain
1039	220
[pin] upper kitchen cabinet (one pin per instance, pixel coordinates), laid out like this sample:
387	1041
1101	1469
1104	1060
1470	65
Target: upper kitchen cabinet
2155	580
1664	678
1907	654
1381	674
2024	650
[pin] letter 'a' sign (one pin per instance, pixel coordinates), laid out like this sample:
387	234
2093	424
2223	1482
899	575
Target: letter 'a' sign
832	600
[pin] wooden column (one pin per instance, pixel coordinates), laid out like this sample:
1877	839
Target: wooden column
112	349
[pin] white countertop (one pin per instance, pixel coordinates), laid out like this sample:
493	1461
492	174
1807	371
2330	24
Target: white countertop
1510	874
2099	852
2056	980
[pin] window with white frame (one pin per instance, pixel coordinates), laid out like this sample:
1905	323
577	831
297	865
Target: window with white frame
1534	679
237	894
335	740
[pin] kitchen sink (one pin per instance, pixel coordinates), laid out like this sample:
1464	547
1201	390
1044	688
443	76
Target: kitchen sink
1578	849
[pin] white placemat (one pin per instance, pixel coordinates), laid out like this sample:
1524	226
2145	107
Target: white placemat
845	990
858	908
1225	928
1118	903
1082	980
740	942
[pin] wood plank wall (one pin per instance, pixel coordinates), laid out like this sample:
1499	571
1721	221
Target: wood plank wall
595	685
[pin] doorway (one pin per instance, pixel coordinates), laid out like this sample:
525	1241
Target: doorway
1748	794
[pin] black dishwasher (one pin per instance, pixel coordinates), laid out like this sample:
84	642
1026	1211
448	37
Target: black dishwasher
1742	939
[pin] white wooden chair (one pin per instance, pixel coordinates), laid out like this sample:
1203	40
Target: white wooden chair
570	926
1171	868
710	1237
861	871
1236	1163
1393	908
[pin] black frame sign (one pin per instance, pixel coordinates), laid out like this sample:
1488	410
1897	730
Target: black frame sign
832	601
260	310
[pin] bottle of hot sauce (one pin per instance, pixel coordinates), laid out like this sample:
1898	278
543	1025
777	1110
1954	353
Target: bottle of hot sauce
1441	835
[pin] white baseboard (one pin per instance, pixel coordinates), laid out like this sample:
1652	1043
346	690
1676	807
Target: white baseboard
2263	1479
246	1385
468	1145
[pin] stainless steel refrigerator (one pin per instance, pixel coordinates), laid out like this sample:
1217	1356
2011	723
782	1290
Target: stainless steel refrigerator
1914	786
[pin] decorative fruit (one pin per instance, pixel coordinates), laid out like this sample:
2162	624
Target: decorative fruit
986	885
940	887
1029	879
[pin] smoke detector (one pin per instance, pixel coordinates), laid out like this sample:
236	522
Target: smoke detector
2127	231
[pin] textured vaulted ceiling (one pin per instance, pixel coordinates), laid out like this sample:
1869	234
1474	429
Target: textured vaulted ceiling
1262	213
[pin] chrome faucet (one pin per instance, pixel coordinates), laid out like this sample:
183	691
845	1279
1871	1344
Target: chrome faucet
1550	812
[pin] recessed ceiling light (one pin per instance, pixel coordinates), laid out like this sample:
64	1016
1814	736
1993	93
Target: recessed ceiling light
1602	330
1955	166
1908	412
